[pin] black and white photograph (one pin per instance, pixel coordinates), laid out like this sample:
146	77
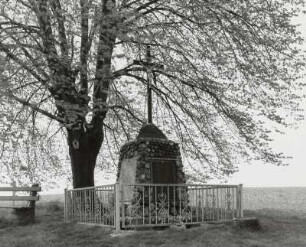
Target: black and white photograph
152	123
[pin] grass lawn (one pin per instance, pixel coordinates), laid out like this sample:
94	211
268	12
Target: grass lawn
279	228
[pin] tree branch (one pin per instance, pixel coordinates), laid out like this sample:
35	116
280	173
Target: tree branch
58	12
4	49
32	106
107	37
127	110
84	46
43	16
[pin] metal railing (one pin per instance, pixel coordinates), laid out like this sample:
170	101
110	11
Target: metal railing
166	204
140	205
91	205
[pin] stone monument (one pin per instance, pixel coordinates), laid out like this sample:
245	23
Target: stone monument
151	158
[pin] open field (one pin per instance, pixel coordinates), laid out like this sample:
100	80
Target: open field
281	226
291	199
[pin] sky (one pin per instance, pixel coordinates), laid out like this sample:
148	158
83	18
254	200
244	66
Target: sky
264	175
292	143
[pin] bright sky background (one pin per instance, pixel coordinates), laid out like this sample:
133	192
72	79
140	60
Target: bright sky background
293	144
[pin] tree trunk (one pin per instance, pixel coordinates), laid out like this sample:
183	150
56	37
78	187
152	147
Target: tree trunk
84	148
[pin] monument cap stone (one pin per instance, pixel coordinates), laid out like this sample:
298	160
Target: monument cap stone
151	131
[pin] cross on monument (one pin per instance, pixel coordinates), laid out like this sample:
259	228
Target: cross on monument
149	65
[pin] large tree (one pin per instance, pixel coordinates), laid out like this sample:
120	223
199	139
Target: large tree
229	67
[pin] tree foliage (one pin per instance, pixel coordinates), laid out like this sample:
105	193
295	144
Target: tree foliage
230	67
29	154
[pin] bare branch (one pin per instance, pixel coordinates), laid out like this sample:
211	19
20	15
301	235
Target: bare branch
126	110
32	71
107	37
33	106
44	19
84	45
58	12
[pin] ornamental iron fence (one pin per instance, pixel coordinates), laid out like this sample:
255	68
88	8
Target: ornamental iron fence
91	205
140	205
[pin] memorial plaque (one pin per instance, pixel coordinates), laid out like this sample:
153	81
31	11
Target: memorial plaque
163	172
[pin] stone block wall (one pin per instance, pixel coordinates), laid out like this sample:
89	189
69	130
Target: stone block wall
146	150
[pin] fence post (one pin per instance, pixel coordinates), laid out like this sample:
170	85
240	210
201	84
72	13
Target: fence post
65	205
239	202
14	193
122	206
117	206
33	193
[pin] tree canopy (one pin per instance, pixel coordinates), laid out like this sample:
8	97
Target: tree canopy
229	76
